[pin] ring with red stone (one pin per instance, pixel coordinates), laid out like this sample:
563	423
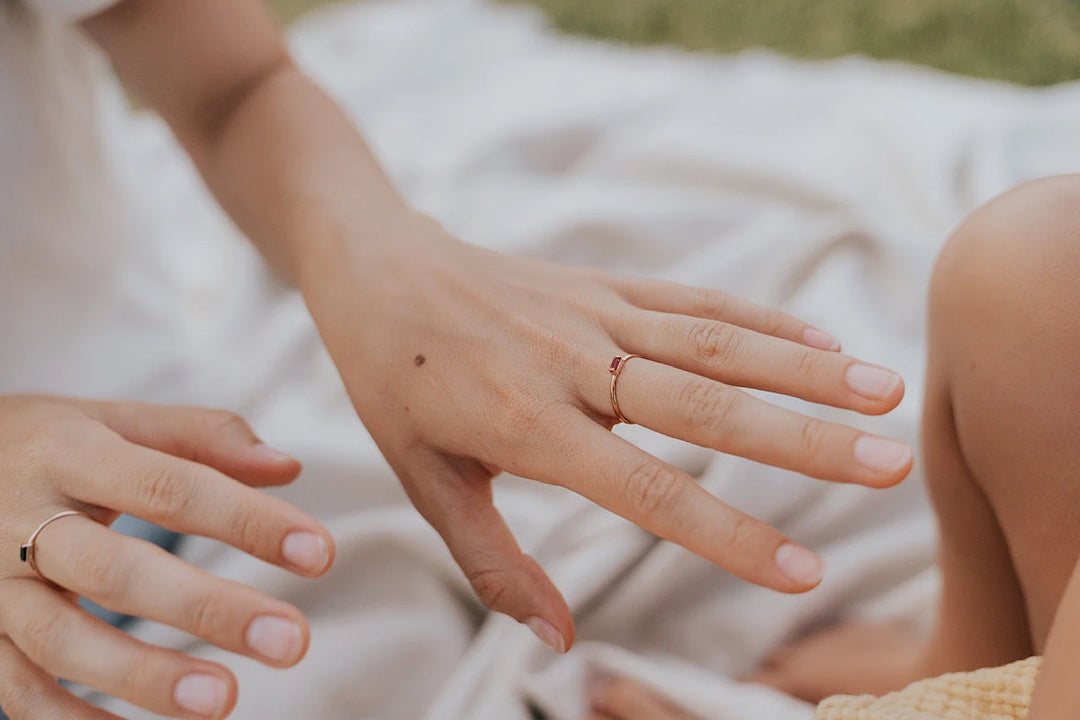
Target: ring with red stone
616	368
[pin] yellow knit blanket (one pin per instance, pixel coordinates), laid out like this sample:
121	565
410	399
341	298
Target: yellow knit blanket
1002	693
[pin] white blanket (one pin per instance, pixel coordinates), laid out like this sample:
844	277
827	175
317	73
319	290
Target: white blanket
825	188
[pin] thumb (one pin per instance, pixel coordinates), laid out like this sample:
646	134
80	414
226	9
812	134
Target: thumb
217	438
456	499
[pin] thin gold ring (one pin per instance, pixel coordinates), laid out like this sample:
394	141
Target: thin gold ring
616	368
27	551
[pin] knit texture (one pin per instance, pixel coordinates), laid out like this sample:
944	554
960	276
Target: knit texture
1002	693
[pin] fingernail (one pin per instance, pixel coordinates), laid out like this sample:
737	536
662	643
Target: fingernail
271	454
799	564
547	633
821	340
201	694
871	382
306	550
881	454
275	638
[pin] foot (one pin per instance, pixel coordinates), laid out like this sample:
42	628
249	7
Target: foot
848	659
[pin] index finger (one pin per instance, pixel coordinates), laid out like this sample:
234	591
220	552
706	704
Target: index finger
190	498
668	502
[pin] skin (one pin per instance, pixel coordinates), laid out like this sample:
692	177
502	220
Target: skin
999	432
386	285
188	469
405	311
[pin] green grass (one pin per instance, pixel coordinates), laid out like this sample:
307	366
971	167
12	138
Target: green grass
1033	42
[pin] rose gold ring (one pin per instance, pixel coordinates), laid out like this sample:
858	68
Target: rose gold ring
616	368
27	550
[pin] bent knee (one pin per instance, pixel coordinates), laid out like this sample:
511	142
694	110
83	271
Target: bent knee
1019	252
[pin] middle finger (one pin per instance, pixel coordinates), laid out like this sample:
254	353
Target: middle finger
737	356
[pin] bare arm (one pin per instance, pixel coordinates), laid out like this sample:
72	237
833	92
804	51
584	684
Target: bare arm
406	311
279	155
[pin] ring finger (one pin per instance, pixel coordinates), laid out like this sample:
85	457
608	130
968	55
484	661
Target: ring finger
68	642
135	577
710	414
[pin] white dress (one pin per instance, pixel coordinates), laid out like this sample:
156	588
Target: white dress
74	264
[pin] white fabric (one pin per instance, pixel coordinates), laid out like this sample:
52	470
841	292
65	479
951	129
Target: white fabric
825	188
88	308
70	10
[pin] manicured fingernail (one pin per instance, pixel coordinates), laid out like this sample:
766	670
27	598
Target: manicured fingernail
547	633
272	454
881	454
799	564
306	550
821	340
871	382
275	638
201	694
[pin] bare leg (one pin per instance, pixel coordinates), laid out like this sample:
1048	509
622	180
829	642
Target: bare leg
1001	440
1005	364
1001	443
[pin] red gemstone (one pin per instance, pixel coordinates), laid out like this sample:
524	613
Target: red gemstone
615	363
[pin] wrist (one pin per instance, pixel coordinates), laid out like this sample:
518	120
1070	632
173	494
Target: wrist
365	242
371	260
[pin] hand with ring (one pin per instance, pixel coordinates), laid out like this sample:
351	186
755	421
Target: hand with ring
69	468
463	362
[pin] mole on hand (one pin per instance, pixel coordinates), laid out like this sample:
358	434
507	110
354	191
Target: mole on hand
419	360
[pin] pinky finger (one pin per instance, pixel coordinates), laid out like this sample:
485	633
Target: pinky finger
670	297
29	693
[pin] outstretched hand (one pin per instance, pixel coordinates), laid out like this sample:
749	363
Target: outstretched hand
464	362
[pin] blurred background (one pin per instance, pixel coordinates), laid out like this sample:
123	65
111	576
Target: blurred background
1031	42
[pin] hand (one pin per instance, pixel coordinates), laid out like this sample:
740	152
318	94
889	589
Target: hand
849	659
171	466
624	699
463	362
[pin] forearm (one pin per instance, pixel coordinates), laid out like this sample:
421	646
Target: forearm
318	186
279	155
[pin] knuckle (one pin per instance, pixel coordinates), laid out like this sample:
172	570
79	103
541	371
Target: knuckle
47	443
714	342
808	365
136	673
710	303
812	437
44	638
526	414
772	321
742	537
163	493
707	404
105	575
220	422
252	528
20	697
492	586
208	614
654	488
